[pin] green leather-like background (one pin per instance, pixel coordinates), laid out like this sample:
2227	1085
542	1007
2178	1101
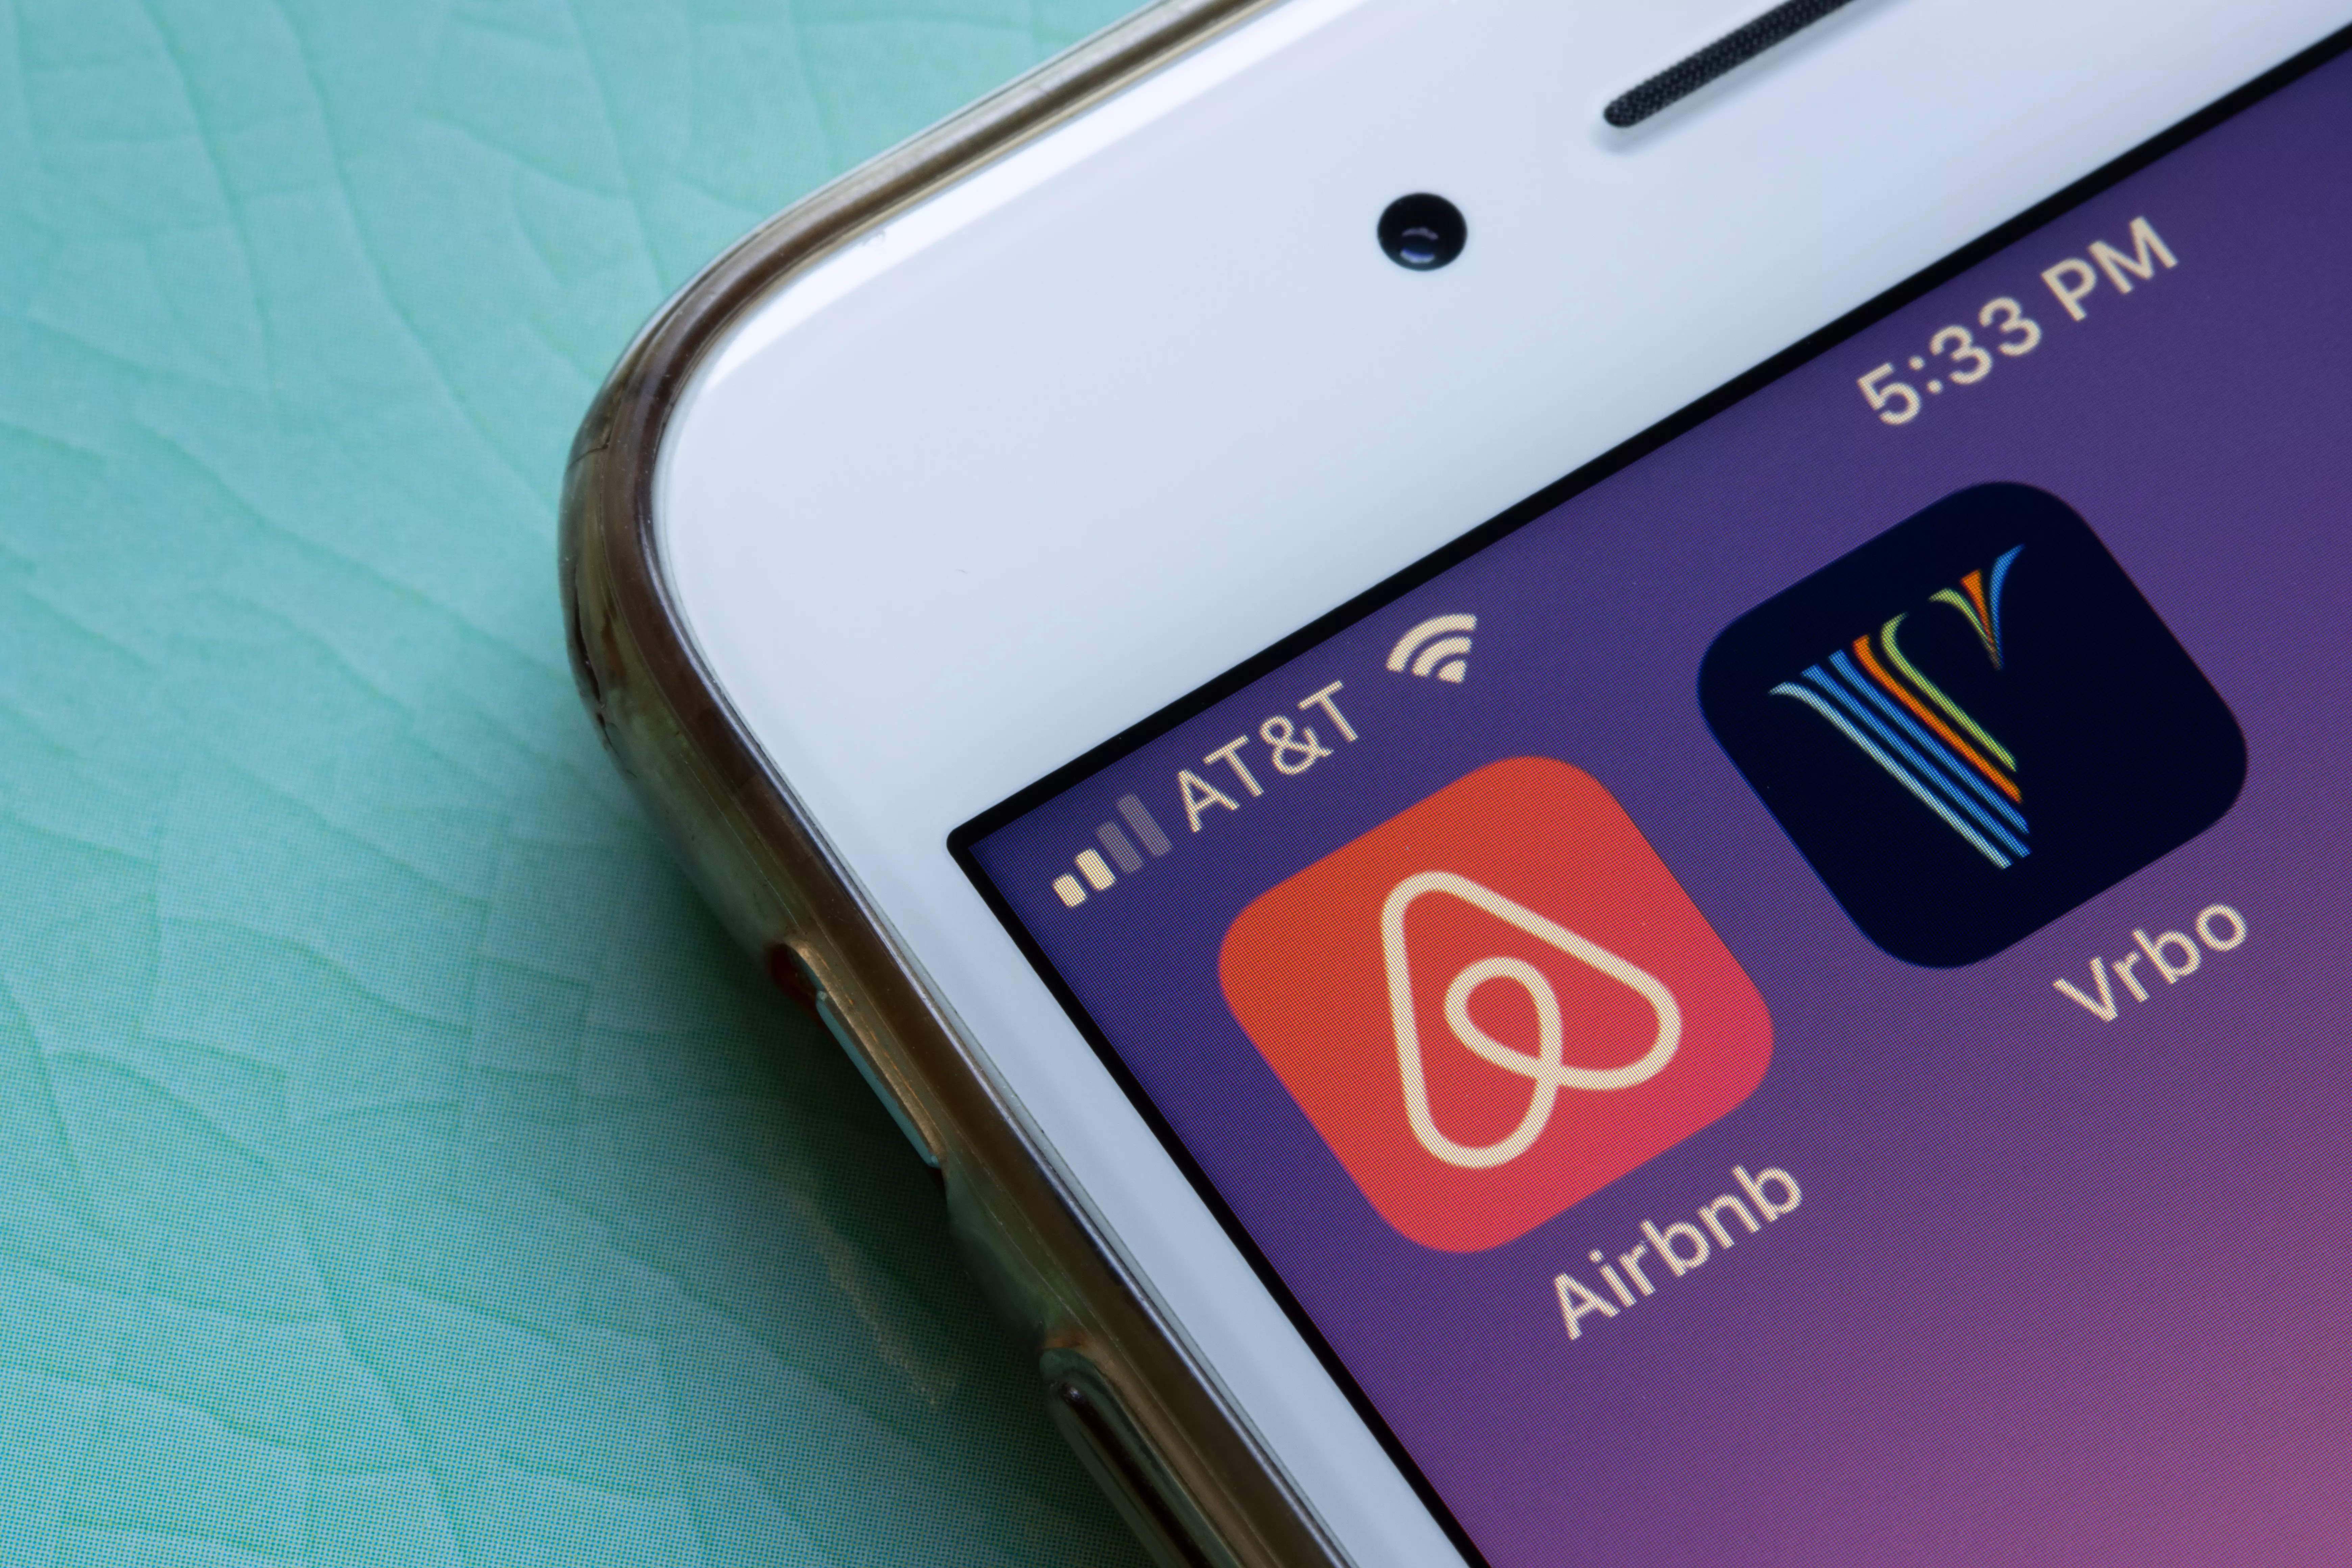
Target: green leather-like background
396	1164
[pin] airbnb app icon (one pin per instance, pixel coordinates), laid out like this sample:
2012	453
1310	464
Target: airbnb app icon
1495	1004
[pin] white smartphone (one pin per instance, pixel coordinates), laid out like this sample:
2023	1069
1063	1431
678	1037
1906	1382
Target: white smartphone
1583	763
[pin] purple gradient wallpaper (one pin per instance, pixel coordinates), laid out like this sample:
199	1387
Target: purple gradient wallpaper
2061	1288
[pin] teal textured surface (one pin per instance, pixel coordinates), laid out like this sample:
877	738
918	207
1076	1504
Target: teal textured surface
396	1165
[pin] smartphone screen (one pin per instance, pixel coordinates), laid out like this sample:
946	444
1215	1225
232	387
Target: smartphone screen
1784	1000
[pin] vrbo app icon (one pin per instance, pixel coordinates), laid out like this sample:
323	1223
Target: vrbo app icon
1971	724
1495	1004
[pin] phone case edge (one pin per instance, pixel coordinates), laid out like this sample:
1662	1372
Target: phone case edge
1150	1420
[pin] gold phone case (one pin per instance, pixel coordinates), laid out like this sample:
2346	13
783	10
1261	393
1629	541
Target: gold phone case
1149	1422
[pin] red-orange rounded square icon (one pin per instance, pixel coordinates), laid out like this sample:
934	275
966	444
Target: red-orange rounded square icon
1495	1004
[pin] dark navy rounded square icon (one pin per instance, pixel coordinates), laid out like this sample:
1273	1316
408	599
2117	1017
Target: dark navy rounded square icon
1971	724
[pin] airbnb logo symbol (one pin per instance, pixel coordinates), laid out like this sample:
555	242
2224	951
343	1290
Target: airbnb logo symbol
1546	1066
1495	1004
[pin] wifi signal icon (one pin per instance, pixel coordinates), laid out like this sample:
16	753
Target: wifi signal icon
1440	646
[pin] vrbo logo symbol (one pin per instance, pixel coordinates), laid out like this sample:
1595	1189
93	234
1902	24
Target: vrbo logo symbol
1495	1004
2170	956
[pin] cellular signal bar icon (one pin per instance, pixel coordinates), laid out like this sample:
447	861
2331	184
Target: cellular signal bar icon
1121	849
1440	646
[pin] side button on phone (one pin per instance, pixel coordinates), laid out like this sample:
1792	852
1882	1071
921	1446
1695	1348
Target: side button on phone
1108	1444
792	978
857	1058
